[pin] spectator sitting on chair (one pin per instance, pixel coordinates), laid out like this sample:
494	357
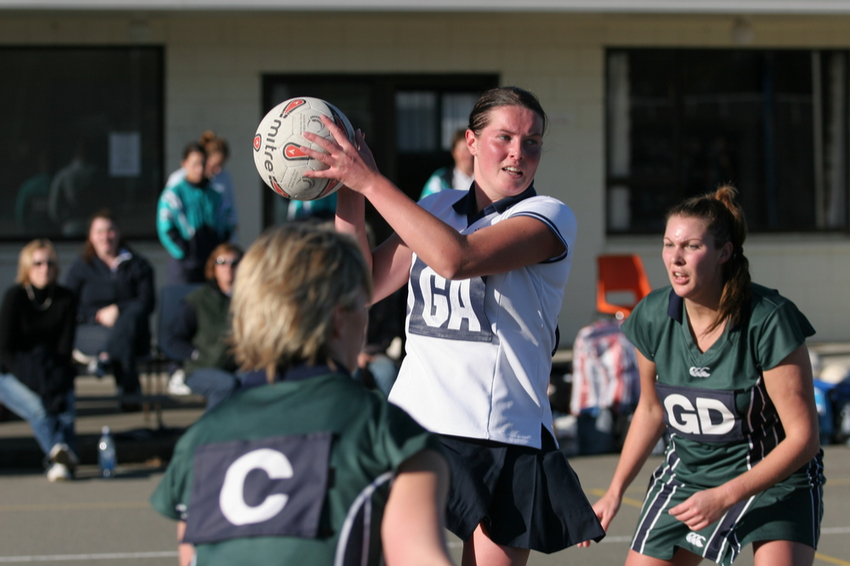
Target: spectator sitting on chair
115	298
36	337
199	331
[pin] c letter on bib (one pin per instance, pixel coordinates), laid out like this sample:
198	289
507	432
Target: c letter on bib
262	487
232	498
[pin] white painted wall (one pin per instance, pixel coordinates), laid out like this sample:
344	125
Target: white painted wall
214	63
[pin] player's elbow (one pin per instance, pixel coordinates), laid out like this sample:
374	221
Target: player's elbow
812	445
451	265
805	439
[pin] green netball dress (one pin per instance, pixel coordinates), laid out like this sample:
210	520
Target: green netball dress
293	473
721	423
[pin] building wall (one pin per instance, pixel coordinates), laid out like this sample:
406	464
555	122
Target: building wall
213	76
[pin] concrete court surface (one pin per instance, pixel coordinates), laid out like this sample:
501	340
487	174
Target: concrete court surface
92	521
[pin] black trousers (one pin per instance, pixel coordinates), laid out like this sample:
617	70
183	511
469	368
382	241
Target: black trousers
128	339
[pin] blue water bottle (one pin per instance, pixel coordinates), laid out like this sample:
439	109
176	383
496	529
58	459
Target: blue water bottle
106	454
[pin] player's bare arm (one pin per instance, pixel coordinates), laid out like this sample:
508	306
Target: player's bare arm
508	245
412	529
645	429
185	551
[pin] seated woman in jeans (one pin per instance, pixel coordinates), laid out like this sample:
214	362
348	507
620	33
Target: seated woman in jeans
36	338
115	294
199	330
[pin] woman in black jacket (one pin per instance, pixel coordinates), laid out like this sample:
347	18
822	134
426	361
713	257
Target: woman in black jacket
37	319
114	287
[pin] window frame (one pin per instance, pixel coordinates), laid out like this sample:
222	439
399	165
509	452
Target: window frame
156	132
819	97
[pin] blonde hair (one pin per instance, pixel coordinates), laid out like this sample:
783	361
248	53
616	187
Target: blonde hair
288	285
25	259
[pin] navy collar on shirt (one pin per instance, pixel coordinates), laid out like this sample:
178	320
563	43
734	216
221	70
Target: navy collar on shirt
467	204
676	307
296	373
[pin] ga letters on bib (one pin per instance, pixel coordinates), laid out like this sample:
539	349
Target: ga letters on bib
447	309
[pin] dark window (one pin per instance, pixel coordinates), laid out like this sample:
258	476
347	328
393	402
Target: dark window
408	119
81	130
773	123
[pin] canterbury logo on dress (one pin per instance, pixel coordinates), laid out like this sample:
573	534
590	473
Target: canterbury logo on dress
448	309
695	539
700	371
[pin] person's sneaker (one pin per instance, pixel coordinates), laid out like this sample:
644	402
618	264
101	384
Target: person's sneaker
82	358
99	367
63	455
177	384
58	472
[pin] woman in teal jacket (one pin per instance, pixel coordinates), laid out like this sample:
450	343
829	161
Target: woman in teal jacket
190	219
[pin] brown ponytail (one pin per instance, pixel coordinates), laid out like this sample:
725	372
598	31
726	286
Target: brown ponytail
725	220
213	143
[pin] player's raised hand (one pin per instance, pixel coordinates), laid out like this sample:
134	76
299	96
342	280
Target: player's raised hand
353	164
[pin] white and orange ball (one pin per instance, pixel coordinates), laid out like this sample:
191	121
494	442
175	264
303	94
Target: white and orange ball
278	144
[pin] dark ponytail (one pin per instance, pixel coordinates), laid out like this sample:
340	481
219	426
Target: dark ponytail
724	219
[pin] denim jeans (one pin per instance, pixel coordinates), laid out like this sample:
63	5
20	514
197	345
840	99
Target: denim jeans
214	384
48	429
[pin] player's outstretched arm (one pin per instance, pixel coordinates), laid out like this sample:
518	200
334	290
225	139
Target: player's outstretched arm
412	530
390	262
505	246
645	429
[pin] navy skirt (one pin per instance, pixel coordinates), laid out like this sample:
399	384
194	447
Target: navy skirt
524	497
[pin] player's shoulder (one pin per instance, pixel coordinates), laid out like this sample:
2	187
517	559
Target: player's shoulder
660	296
441	201
551	211
765	302
650	310
544	206
765	297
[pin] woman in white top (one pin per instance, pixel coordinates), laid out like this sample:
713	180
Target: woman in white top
486	270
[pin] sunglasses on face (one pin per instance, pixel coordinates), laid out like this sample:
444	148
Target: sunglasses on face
40	263
226	262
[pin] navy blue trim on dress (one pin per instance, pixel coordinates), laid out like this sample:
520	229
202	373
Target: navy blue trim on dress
676	304
468	205
298	372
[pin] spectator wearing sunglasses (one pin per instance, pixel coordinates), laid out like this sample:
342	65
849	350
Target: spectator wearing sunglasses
36	338
200	330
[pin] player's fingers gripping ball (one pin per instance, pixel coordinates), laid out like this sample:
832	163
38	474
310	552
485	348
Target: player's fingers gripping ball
279	142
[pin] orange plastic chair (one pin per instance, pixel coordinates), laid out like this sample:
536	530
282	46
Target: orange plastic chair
621	284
